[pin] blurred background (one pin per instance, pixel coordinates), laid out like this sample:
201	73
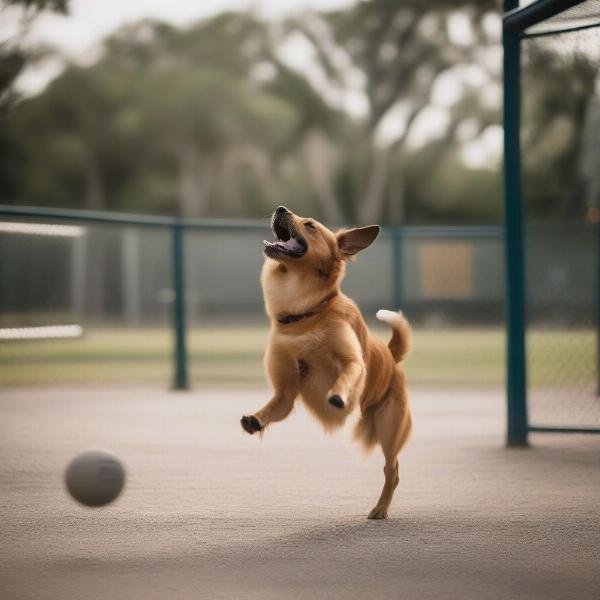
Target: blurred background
350	112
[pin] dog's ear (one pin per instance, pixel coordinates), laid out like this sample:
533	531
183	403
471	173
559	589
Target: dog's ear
351	241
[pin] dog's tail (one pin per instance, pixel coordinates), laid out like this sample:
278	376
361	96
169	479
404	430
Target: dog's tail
400	343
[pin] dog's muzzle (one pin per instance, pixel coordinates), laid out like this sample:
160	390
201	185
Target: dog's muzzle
288	242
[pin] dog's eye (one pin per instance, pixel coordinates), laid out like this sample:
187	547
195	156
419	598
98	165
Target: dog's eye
309	225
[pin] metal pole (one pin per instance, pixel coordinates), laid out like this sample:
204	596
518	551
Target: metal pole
397	266
597	293
534	13
516	384
180	381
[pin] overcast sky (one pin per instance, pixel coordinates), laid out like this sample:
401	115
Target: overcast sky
91	20
78	34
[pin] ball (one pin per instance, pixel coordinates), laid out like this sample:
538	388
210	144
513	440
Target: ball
95	477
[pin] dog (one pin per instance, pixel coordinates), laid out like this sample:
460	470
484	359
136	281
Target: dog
320	349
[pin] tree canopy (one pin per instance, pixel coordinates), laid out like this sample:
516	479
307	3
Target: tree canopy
364	114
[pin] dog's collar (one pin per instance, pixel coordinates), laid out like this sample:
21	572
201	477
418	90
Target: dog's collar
285	318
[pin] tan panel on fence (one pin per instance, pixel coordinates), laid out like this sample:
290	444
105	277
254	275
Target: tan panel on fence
446	270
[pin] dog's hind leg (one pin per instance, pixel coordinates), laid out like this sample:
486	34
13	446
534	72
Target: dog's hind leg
393	424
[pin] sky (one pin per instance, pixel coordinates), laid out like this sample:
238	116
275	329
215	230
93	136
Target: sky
91	20
78	36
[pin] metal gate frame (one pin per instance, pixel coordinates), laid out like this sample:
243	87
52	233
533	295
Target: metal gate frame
515	22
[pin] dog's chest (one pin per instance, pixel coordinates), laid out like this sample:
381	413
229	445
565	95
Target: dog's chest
304	344
310	351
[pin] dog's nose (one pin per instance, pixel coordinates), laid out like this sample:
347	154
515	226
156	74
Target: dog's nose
282	210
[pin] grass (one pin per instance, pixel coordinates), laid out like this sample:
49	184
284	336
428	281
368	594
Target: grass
232	357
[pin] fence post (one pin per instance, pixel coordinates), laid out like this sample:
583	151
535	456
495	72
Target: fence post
597	292
516	384
397	266
180	381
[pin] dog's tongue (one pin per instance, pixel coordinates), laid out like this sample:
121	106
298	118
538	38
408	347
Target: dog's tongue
293	245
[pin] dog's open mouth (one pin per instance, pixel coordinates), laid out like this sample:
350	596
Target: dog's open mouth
288	242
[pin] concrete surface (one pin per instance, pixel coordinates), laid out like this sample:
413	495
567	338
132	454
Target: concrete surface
210	512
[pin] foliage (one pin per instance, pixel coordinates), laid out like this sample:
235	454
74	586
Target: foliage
217	120
13	57
553	125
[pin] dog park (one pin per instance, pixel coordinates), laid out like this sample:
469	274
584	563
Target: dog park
136	356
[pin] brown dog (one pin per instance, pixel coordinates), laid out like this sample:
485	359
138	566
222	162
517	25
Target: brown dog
320	348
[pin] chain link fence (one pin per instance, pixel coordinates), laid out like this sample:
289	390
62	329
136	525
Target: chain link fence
562	246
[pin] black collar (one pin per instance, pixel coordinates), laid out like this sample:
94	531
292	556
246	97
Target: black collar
285	319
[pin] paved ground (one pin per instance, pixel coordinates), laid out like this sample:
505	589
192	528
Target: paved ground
209	512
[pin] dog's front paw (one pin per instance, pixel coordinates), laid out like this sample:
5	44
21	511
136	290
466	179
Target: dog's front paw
337	401
251	424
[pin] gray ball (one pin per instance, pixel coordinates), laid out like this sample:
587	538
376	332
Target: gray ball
95	477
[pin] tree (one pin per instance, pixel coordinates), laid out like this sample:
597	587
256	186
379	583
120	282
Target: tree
218	120
149	122
13	55
215	119
558	90
400	49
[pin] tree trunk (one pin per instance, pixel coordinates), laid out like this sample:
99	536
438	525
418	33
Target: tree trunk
318	162
94	193
196	180
187	181
378	171
230	189
374	194
260	163
397	199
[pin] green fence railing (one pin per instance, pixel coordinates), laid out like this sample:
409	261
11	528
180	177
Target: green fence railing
408	270
176	227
